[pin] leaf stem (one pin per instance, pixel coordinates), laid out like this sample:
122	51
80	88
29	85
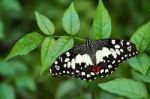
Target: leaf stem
78	38
58	36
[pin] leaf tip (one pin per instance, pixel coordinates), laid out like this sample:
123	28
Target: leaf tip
72	4
36	13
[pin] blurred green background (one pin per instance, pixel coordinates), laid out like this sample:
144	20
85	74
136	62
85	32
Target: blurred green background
20	77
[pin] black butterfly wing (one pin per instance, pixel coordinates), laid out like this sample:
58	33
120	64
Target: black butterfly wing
79	63
110	53
75	62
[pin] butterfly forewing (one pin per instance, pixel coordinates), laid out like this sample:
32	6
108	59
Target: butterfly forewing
101	59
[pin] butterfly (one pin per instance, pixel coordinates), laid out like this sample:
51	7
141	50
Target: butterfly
94	59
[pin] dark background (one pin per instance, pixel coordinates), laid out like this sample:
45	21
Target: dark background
22	73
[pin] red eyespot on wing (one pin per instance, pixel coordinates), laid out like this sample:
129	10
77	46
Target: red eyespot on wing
96	69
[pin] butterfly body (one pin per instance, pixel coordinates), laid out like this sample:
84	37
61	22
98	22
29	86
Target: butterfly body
93	59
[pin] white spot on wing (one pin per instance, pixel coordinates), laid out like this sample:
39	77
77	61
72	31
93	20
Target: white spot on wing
121	50
68	64
73	63
128	43
65	65
67	59
100	54
92	73
121	42
117	46
106	70
83	59
102	70
67	72
57	67
88	75
129	48
77	71
113	53
50	70
68	54
83	73
113	41
109	66
60	59
113	62
117	51
56	62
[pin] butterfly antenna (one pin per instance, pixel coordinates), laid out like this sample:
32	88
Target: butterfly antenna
89	41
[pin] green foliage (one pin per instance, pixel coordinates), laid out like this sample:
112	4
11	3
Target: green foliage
25	45
21	75
14	71
11	69
25	82
65	88
46	52
50	50
101	23
145	78
45	25
6	91
6	66
140	63
125	87
1	30
142	37
70	21
10	5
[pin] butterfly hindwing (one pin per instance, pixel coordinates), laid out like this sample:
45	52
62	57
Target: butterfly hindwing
99	58
112	53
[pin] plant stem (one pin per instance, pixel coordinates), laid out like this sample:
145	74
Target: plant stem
83	40
58	36
80	39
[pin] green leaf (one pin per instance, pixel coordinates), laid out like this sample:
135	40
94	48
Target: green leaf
11	5
45	25
6	91
140	63
25	45
19	67
25	82
61	46
46	51
142	37
64	88
70	21
101	23
1	30
6	69
145	78
125	87
11	69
